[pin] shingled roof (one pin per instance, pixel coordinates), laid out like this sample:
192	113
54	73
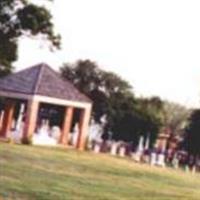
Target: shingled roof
41	80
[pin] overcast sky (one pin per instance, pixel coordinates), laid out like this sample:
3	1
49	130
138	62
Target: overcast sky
154	44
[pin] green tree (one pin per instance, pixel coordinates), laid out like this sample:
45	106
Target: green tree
87	77
17	18
175	117
99	85
192	137
113	97
150	111
123	119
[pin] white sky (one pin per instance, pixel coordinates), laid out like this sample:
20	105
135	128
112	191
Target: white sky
154	44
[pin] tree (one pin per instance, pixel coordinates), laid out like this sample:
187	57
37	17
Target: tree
17	18
121	117
150	110
127	117
192	137
95	83
175	117
86	76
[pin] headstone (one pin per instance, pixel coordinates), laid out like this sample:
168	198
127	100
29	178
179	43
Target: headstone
17	134
194	169
161	160
139	152
113	150
42	137
18	126
20	117
187	169
95	132
141	144
55	133
75	135
137	156
122	151
153	159
97	147
175	162
146	158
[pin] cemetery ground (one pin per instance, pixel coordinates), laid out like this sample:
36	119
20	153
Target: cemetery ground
44	173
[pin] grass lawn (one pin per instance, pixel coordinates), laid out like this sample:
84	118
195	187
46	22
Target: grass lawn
28	172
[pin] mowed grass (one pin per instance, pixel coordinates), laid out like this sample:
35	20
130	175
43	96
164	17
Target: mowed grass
30	172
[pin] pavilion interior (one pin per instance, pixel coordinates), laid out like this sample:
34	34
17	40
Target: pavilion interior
50	117
37	105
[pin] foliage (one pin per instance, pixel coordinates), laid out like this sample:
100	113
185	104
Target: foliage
95	83
175	117
18	18
122	120
126	116
150	110
192	137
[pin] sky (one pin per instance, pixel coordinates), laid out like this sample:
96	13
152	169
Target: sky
153	44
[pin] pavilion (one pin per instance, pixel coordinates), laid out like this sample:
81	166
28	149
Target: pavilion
40	84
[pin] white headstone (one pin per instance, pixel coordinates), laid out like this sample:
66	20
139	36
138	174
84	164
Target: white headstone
194	169
113	150
17	133
175	162
137	156
55	132
95	131
161	160
141	145
122	151
187	169
146	158
97	147
153	159
75	134
20	117
42	137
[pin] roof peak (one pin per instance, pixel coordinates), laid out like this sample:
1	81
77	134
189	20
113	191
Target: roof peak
41	79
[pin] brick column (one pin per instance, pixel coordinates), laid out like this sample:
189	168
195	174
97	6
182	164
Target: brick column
7	118
66	125
31	118
83	128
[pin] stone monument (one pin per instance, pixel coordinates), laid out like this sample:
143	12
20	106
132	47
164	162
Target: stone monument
122	150
138	154
153	158
113	148
18	129
161	160
74	135
42	136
